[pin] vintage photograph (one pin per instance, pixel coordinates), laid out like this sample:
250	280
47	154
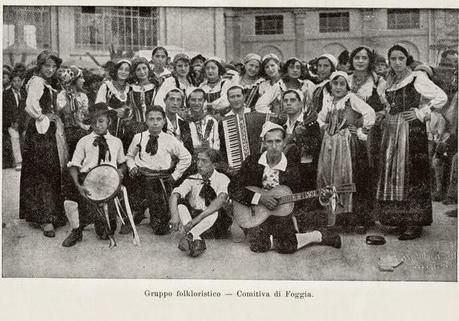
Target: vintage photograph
227	143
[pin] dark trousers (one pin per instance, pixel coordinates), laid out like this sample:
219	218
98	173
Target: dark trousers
147	192
282	230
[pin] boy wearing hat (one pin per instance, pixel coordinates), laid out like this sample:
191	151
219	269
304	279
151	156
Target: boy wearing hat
268	170
98	147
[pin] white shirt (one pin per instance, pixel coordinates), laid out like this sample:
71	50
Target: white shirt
291	126
231	112
190	188
213	139
35	89
431	95
356	103
168	146
86	155
168	84
270	174
170	127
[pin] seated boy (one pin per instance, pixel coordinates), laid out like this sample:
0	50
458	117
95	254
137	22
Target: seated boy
205	194
150	162
98	147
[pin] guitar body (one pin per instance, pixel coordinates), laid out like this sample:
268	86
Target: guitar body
248	217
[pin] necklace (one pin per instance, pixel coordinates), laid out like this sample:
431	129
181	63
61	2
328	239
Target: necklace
121	89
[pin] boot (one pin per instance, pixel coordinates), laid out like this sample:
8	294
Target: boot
75	236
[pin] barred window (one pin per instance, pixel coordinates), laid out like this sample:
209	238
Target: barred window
36	22
334	22
269	25
403	19
126	28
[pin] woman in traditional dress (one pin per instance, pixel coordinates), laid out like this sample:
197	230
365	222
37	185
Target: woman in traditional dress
197	74
270	71
369	87
345	120
216	86
403	191
292	70
45	151
73	103
159	59
180	79
326	65
114	93
250	79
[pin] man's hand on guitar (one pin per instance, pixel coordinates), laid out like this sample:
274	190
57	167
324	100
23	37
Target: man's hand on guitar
326	193
269	201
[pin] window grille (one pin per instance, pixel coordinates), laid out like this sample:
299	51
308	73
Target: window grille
127	28
403	19
334	22
269	25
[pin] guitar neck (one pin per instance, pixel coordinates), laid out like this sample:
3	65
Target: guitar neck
299	196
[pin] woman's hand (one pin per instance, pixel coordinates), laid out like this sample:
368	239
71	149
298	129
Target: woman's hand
353	129
409	115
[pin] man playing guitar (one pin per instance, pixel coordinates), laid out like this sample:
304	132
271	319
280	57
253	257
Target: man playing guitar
268	170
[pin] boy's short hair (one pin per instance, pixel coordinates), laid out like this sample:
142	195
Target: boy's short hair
213	154
97	110
155	108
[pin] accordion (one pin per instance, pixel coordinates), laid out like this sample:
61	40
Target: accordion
242	135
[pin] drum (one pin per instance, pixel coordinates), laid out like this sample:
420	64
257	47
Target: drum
103	183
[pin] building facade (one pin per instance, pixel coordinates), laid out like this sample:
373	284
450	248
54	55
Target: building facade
307	33
229	33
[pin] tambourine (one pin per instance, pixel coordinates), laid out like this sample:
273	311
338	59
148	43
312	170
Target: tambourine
103	183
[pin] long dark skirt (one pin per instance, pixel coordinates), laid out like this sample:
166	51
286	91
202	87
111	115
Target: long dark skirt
41	198
403	193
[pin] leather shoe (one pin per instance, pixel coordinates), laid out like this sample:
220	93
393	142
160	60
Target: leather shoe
185	243
75	236
451	213
361	229
330	238
411	233
48	230
197	248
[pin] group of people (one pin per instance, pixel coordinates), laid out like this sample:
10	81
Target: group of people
364	133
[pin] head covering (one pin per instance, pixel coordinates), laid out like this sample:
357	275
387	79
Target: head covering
269	126
176	90
181	56
48	54
97	110
331	58
296	91
198	57
379	59
340	73
218	62
121	61
191	90
7	69
252	56
270	56
138	61
66	75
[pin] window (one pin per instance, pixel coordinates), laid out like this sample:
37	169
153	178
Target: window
269	25
403	19
37	29
334	22
125	28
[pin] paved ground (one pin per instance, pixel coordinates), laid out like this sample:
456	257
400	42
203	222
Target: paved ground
26	253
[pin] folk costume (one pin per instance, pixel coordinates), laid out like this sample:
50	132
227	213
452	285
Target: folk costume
403	191
44	158
343	158
154	155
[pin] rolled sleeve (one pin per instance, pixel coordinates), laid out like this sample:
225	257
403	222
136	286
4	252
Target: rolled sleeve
78	155
184	189
184	162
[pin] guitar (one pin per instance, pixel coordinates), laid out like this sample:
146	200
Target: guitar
248	217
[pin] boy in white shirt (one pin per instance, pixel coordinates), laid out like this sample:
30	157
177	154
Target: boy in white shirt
152	172
98	147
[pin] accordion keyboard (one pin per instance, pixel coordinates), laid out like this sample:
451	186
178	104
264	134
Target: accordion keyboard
232	141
